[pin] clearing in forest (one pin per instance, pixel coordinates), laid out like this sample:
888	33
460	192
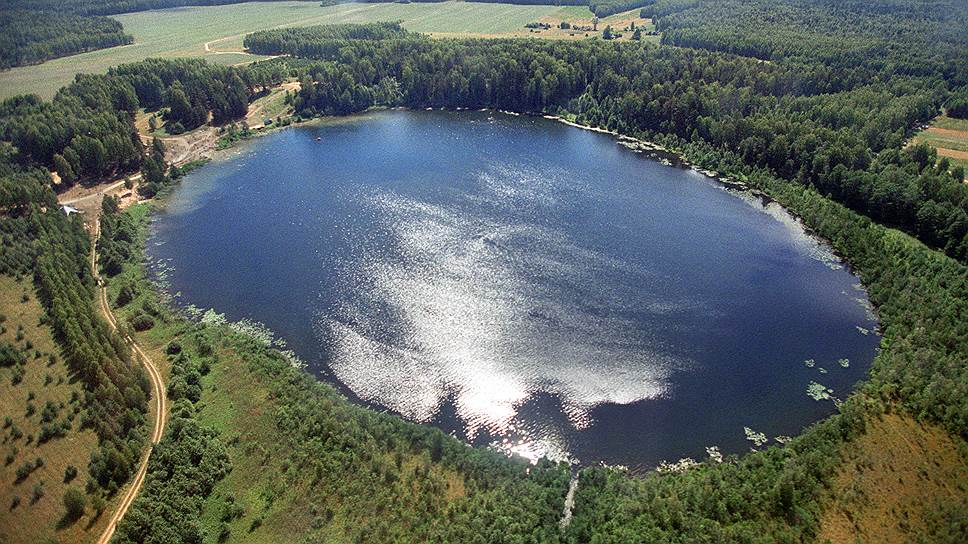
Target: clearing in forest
950	137
582	24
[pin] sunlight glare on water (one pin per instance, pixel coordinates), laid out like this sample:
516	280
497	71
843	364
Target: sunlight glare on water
521	284
471	323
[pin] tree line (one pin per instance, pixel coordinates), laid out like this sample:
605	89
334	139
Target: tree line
840	135
87	133
28	37
184	467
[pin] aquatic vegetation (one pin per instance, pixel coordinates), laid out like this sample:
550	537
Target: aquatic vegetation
253	329
714	454
211	317
818	391
193	312
681	465
294	360
757	438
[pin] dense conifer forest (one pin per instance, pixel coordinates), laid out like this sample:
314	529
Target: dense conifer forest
28	37
821	127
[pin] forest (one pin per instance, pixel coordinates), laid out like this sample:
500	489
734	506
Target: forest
821	128
837	129
29	37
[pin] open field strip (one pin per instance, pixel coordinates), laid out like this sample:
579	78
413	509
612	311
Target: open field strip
183	32
949	136
575	15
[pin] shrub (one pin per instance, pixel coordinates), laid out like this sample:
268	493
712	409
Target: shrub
38	492
70	473
127	293
173	348
142	322
10	355
74	503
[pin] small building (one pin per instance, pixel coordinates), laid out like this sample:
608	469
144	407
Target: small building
70	209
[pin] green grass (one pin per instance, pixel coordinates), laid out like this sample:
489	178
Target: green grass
574	12
183	32
951	123
944	141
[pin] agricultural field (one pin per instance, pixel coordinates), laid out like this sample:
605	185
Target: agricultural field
215	33
35	393
950	137
582	24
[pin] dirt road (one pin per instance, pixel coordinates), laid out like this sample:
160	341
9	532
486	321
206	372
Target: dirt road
158	396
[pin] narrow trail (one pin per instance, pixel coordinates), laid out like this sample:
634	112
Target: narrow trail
158	394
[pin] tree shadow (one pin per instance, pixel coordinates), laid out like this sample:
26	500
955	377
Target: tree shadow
93	520
67	520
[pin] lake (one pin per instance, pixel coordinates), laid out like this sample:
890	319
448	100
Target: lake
522	284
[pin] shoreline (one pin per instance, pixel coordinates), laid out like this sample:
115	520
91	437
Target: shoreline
178	307
656	152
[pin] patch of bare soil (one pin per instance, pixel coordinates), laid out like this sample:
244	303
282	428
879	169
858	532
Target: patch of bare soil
893	483
949	132
191	146
953	153
254	115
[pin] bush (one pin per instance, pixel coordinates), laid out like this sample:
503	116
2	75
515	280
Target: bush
127	293
74	503
10	355
70	473
141	322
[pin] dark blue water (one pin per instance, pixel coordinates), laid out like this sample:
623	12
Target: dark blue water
521	283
